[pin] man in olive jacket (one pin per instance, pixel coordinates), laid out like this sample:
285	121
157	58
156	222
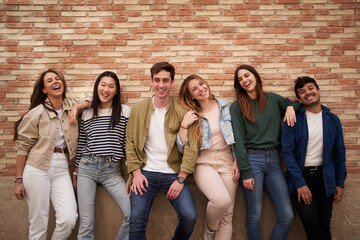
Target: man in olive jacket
154	162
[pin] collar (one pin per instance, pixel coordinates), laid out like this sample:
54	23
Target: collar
323	108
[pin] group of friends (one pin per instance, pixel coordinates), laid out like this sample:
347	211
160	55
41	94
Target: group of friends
164	140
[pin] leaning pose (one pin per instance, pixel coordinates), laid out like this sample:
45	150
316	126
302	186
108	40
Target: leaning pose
46	139
101	149
216	173
256	118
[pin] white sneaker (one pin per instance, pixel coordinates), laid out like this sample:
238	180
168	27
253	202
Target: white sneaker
209	235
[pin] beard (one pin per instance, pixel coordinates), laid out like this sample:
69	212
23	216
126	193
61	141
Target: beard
308	105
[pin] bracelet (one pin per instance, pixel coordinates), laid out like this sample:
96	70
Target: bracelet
137	174
17	178
183	127
75	173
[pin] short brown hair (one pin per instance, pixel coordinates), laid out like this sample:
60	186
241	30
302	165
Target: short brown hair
158	67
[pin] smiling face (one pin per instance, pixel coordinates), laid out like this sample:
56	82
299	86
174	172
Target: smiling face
106	91
161	85
53	85
247	81
309	95
198	90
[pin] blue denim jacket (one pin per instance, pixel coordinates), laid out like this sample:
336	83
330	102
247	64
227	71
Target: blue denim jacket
225	127
294	142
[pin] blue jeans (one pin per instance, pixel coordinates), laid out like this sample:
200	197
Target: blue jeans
184	206
266	170
93	170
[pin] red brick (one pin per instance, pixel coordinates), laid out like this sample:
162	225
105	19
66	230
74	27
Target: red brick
101	25
351	65
19	61
315	12
206	2
73	49
58	43
301	42
60	19
111	8
246	6
19	25
73	25
228	30
155	25
18	2
9	19
112	43
20	49
236	13
101	49
317	70
208	60
137	55
89	31
318	35
165	42
206	25
47	37
34	31
286	1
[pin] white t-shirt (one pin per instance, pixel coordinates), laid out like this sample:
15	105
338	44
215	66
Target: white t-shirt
60	142
314	153
156	145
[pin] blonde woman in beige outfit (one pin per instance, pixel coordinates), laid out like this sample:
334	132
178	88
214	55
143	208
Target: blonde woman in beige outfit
216	173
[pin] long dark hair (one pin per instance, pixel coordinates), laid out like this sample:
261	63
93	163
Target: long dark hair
116	101
243	99
188	103
38	96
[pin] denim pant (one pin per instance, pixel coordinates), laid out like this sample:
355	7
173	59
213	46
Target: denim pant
316	216
93	170
55	185
184	206
266	170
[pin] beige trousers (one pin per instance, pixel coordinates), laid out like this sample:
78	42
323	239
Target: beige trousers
213	176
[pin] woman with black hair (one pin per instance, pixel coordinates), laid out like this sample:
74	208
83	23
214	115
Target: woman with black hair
101	148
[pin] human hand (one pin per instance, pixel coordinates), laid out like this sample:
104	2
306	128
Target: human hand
189	118
73	115
174	190
304	193
290	116
235	172
138	184
339	194
249	184
19	191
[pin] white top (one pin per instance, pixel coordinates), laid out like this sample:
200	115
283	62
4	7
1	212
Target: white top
314	153
60	142
156	145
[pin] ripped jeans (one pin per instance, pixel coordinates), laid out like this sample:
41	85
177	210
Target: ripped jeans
93	170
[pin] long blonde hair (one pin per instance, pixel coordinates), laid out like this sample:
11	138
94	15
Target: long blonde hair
189	103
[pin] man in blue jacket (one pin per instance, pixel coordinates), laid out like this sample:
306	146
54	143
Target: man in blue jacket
314	154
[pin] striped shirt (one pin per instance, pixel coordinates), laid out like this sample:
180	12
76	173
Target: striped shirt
96	138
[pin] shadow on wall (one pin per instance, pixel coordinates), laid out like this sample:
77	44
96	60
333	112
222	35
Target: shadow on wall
163	220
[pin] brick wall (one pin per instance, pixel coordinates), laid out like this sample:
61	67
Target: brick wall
283	39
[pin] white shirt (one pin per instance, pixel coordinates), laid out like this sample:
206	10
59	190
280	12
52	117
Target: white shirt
60	142
314	153
156	145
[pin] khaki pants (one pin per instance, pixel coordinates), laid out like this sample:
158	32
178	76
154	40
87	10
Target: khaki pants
213	176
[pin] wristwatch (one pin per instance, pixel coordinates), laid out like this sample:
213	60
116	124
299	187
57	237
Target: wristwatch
180	180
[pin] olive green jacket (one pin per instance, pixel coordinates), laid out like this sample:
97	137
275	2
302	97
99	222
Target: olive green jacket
138	128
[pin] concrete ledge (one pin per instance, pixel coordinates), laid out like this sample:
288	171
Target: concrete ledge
162	222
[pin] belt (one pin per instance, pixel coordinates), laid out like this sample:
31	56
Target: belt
60	150
264	149
312	168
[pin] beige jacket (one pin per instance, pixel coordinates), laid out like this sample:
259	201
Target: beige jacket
39	130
